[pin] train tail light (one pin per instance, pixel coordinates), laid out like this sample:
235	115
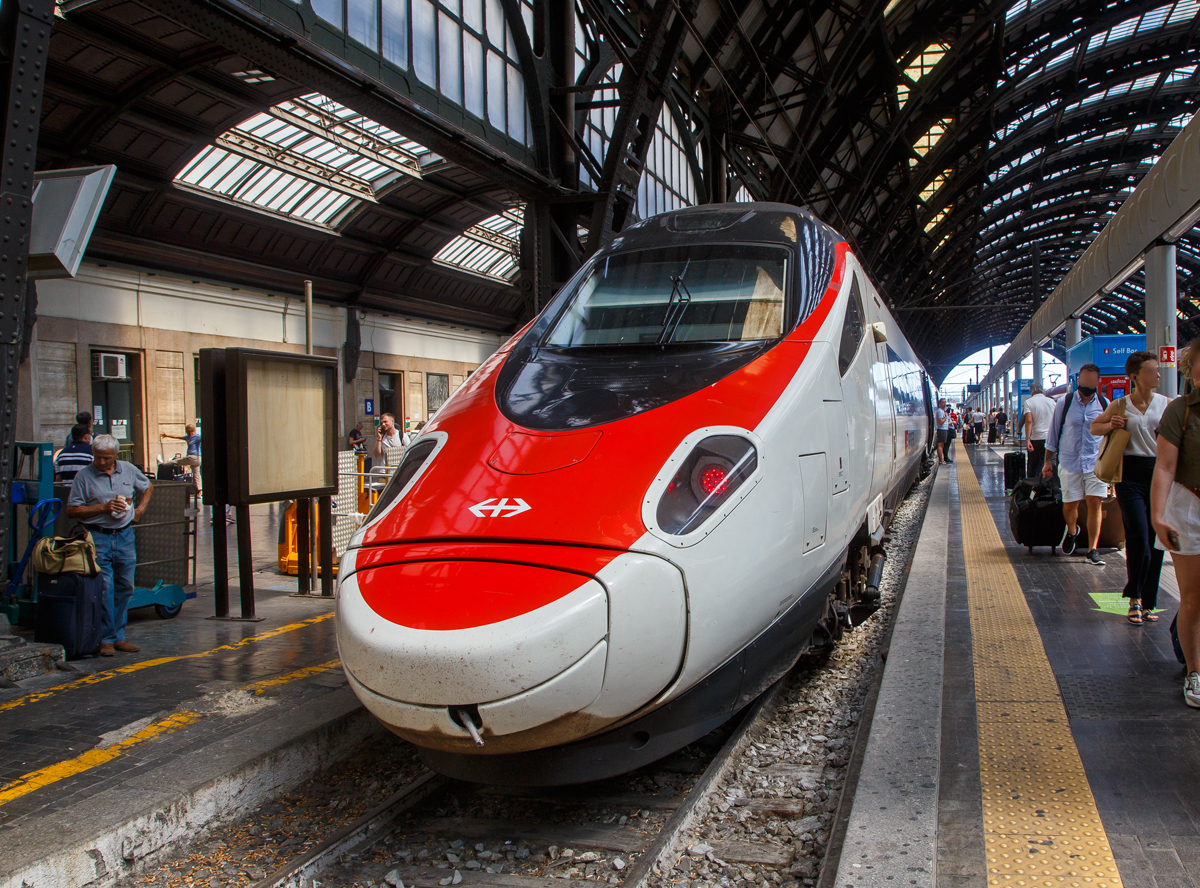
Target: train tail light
708	477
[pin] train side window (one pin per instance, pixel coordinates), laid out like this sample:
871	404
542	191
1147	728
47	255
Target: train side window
852	328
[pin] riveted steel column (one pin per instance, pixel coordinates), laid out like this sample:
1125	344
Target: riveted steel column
24	45
1162	309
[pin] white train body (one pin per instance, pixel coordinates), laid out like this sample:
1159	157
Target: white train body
616	533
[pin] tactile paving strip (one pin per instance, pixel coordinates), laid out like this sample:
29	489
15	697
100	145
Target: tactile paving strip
1041	826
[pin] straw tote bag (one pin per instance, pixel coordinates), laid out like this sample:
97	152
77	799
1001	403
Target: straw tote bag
1112	452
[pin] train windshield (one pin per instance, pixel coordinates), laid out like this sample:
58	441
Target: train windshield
698	293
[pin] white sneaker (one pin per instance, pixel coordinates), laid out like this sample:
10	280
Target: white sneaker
1191	690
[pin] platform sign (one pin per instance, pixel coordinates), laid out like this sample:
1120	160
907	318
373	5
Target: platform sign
369	406
1166	354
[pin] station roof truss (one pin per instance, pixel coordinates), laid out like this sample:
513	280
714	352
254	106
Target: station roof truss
968	151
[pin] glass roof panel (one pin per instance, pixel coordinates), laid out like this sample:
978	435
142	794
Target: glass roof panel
919	67
308	159
925	144
490	248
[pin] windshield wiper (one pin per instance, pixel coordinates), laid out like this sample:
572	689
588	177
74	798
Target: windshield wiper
678	288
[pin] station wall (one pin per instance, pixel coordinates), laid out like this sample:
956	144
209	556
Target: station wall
160	323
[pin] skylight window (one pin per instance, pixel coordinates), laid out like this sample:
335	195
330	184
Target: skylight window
308	159
932	188
925	144
490	249
918	68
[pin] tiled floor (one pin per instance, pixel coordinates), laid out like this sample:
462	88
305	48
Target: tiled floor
1122	688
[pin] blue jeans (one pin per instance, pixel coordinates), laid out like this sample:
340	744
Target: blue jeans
118	560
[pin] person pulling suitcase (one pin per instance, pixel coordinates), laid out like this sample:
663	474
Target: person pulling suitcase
102	499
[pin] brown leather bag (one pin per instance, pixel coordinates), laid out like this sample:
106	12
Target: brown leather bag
1112	452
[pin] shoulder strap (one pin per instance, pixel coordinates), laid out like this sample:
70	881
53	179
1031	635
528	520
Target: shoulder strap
1062	423
1103	403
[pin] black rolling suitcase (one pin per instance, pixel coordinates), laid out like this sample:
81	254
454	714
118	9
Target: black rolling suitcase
69	609
1014	468
993	434
969	434
1035	513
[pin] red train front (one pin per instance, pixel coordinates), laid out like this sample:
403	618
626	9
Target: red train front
637	513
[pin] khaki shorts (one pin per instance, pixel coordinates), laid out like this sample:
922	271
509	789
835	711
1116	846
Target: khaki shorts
1078	485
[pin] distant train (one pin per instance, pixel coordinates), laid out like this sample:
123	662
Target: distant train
643	508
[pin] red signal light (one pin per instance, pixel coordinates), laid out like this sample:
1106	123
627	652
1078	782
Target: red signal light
712	479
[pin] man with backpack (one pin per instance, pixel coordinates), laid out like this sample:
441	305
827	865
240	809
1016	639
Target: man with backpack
1071	440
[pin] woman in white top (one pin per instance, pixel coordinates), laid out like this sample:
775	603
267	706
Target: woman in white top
1143	409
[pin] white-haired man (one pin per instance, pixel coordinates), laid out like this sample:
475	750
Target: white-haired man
102	499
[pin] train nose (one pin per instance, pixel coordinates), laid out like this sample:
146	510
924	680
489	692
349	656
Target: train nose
528	653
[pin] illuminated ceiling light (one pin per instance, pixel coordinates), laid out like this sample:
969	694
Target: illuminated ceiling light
254	75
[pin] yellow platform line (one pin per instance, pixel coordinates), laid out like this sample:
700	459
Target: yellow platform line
92	758
27	783
1041	826
97	677
266	684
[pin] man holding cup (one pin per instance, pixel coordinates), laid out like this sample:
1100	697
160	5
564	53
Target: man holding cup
102	499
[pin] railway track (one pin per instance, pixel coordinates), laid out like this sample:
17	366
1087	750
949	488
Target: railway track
754	802
437	831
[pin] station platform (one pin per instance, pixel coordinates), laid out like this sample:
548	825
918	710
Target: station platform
101	767
1025	732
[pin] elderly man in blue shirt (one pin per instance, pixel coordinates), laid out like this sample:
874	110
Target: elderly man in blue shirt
1071	440
103	498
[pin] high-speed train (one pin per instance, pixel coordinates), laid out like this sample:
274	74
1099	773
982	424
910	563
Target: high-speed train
639	512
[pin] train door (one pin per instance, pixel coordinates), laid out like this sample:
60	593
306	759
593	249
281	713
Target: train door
930	422
895	379
885	419
855	413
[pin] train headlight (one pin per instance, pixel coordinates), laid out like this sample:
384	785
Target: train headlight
705	481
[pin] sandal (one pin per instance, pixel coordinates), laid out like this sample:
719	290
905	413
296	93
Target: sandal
1149	616
1135	613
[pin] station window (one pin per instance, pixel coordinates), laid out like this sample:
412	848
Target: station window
852	329
461	48
437	390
